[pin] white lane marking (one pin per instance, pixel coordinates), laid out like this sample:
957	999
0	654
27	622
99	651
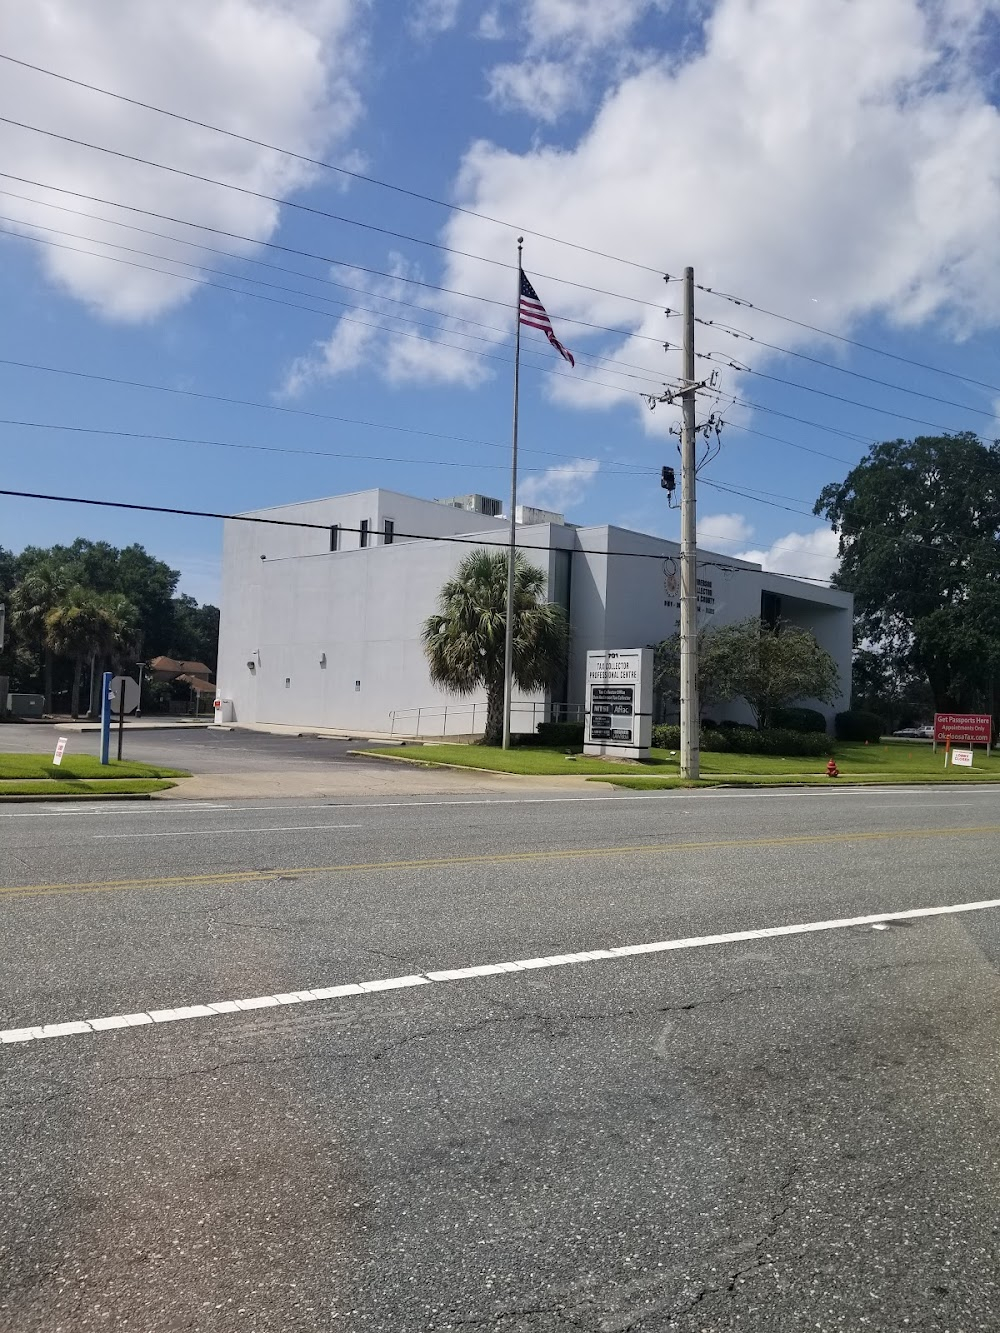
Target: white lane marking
866	794
202	832
76	1027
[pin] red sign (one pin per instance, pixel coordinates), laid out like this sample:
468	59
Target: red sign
974	728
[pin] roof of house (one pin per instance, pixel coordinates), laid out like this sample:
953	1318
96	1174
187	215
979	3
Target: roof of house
170	666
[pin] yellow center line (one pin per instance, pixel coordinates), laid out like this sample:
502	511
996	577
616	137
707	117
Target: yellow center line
499	858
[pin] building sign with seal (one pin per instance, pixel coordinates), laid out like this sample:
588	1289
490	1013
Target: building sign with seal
704	589
619	719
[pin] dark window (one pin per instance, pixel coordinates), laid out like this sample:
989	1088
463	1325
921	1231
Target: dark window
334	537
390	531
770	608
364	532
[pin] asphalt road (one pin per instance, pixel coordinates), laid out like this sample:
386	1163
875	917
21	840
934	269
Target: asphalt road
201	749
784	1130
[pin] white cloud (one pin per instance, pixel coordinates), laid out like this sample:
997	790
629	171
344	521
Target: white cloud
583	24
373	336
543	88
283	71
809	554
828	134
429	18
561	487
724	528
490	27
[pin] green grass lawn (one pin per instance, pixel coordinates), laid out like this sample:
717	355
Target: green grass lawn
40	766
873	763
102	787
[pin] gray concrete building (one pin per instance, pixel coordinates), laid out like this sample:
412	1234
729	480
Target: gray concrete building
321	623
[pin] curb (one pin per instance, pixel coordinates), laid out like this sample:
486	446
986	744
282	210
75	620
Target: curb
80	796
458	768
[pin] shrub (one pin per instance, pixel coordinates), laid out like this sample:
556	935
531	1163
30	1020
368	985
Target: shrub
776	741
562	734
856	725
799	719
667	736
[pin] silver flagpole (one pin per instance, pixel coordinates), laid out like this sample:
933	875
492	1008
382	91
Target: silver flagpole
508	649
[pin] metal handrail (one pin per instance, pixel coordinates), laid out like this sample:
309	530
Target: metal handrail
540	712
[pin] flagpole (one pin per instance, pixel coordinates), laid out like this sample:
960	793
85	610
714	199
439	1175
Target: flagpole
508	648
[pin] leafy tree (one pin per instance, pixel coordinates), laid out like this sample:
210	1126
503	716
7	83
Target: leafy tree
767	666
919	527
464	639
195	632
84	624
34	598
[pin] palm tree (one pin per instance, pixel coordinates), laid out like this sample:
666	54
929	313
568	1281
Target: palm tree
84	623
464	640
31	602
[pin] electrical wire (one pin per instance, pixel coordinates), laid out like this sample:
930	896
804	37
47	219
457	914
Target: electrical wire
272	407
330	166
313	210
850	342
586	359
842	370
615	469
470	540
274	245
382	328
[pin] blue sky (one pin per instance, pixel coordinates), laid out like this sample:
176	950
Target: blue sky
826	162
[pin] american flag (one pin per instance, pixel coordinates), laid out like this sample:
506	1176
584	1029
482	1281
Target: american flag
532	313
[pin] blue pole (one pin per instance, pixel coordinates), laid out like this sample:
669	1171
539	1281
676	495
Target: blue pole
105	716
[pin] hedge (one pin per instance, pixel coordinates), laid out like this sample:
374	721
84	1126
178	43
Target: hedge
747	740
562	734
799	719
856	725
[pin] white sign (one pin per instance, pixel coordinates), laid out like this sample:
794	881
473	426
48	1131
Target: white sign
60	750
962	758
130	688
619	719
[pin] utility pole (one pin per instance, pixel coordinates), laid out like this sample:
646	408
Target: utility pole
690	745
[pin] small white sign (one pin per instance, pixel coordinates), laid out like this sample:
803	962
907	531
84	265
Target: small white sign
962	758
60	751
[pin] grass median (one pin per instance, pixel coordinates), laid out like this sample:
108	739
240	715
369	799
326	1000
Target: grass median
890	762
81	775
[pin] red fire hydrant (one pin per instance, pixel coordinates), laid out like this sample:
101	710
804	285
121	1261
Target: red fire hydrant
832	771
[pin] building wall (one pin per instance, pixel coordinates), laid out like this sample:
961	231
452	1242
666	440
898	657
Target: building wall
335	638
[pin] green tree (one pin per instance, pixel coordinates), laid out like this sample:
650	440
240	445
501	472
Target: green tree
84	624
919	528
769	667
195	632
36	595
464	639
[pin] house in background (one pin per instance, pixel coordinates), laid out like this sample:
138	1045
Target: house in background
195	675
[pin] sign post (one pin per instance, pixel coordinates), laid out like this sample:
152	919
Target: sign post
124	698
619	709
105	716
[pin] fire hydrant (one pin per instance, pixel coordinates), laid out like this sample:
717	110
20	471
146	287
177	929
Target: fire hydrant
832	771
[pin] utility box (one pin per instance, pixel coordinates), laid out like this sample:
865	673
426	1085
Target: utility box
619	717
224	710
26	705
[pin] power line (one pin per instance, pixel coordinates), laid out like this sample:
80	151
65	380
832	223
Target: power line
470	540
648	379
749	430
599	362
268	407
275	245
330	166
842	370
617	468
851	342
755	499
312	209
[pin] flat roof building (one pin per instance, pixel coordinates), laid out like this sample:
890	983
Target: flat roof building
321	623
